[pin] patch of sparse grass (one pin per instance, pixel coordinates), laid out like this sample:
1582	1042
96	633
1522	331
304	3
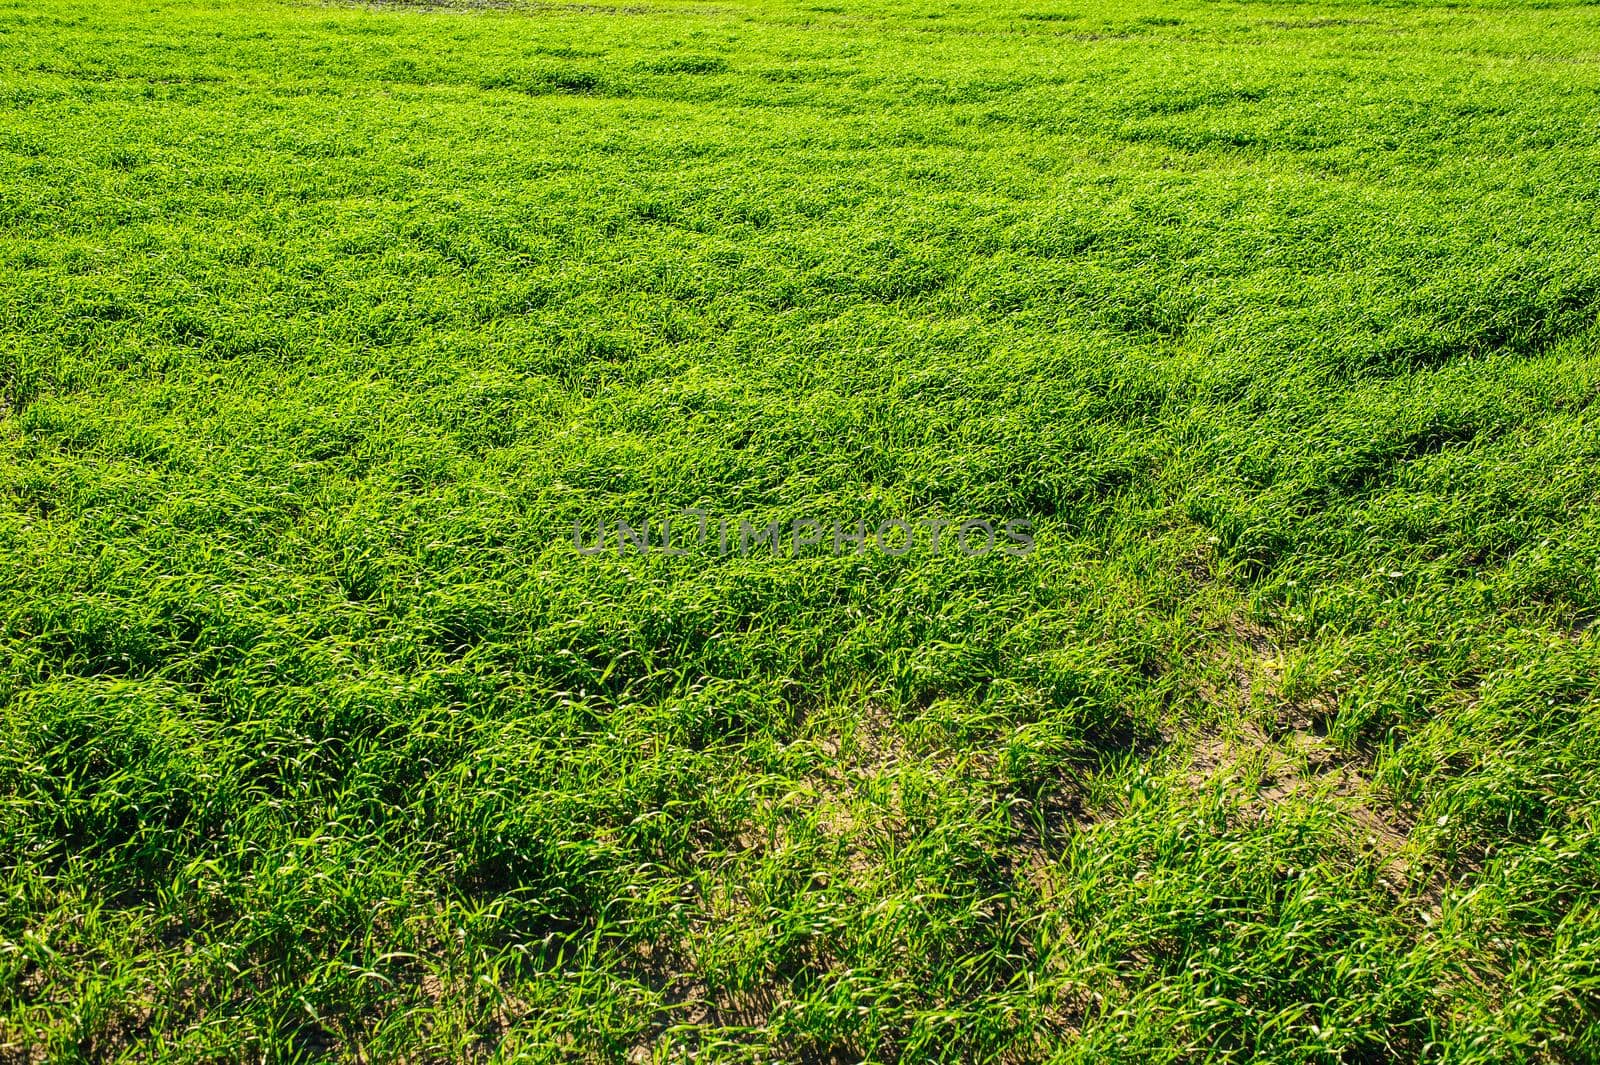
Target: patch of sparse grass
322	326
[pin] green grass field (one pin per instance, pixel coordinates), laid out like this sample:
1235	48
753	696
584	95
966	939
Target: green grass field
323	329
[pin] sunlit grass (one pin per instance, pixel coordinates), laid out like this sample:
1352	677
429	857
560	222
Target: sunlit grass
322	326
